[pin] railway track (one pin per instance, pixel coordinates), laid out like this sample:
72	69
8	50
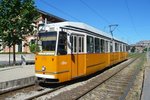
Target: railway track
30	92
36	92
114	84
115	88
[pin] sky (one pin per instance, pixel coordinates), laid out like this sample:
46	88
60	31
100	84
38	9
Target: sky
131	16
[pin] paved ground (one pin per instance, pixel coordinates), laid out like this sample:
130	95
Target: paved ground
16	72
146	86
23	71
16	77
4	58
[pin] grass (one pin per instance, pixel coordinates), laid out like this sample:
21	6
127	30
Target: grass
132	55
1	66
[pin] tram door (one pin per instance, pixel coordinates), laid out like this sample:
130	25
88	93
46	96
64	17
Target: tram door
75	50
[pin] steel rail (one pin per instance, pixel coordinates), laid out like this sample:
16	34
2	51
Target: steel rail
43	93
16	89
131	82
86	92
50	91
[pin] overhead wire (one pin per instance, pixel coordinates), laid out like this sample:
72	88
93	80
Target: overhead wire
63	12
131	18
102	17
124	34
95	12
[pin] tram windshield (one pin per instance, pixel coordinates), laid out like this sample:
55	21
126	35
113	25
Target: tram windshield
48	41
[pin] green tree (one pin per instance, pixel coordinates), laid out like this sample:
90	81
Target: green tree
133	49
145	49
16	21
34	46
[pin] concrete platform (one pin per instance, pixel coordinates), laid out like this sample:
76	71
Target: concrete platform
146	86
16	77
5	57
28	58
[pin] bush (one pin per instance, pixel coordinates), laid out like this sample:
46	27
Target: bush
34	48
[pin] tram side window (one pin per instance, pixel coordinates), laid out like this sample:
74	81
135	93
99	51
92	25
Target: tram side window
75	45
123	48
106	46
81	44
127	48
120	47
90	44
62	43
97	45
102	45
116	47
111	46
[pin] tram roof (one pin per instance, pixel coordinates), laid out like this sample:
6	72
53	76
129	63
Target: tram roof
83	26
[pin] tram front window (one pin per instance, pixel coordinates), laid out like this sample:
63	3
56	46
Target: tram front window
62	44
48	41
48	45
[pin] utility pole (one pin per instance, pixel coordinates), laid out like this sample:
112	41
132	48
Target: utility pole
147	52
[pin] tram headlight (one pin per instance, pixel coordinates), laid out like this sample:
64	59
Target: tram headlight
43	68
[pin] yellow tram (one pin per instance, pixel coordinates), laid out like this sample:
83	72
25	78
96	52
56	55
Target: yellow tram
71	49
